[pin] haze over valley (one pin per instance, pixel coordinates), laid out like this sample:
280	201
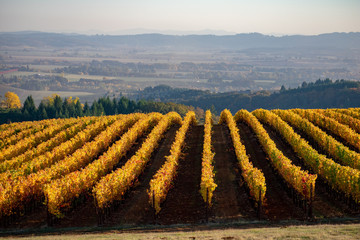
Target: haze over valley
118	48
99	65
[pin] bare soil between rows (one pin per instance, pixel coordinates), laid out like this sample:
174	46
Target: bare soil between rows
324	206
184	206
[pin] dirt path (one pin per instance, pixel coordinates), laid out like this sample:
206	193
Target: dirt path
135	208
278	205
323	205
184	203
230	200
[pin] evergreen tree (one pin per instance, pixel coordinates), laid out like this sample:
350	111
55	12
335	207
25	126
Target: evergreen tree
107	105
69	107
41	112
86	110
78	109
50	111
97	109
131	106
58	106
142	106
29	109
282	89
65	113
123	105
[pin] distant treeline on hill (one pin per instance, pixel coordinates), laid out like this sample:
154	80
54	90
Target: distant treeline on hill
186	42
319	94
163	99
56	107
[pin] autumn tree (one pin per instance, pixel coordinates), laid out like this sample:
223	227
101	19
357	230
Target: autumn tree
12	100
49	100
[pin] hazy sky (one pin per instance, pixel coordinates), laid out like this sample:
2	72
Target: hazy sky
239	16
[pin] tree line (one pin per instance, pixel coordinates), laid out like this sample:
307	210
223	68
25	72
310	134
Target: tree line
56	107
319	94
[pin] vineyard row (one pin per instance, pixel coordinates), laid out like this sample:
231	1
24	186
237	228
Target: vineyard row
57	161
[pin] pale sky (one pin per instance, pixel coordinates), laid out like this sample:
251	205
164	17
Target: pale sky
286	17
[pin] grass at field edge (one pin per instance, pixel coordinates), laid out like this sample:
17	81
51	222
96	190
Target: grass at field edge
326	229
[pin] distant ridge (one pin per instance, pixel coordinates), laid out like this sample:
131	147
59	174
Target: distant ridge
235	42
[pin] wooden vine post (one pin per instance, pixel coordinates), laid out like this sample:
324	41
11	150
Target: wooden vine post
259	205
153	205
310	203
207	205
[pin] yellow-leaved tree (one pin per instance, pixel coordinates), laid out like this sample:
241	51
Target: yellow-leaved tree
12	100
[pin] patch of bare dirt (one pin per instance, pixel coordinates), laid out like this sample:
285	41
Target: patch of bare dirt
278	205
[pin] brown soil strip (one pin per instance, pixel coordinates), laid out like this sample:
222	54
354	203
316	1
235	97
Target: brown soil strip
335	136
314	144
323	205
135	208
231	200
278	205
184	203
85	213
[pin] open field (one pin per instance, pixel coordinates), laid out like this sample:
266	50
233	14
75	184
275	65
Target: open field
73	185
234	69
44	70
70	77
39	95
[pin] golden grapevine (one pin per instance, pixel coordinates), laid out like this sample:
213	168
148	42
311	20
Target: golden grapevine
341	178
161	182
253	177
207	185
114	185
300	180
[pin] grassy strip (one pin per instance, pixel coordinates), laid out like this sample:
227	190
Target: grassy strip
323	231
